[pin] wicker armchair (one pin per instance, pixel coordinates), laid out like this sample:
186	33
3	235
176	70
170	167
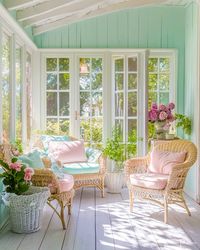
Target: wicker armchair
172	193
82	180
46	178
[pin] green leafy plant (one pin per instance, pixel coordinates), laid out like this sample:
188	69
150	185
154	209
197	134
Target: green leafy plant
118	151
184	122
115	149
17	145
16	176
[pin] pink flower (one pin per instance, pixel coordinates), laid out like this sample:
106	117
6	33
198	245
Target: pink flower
153	115
27	177
171	106
154	106
163	116
16	166
29	171
162	107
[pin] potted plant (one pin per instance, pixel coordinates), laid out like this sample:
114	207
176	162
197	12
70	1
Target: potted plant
117	152
25	202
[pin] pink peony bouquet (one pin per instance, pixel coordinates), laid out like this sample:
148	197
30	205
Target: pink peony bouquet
16	176
161	113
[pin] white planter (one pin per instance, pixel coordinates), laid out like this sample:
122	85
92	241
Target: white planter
26	210
114	182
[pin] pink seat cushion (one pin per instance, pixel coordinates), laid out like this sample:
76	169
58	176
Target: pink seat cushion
162	162
149	180
64	184
67	151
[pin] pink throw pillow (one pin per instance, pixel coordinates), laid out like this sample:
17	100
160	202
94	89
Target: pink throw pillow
162	162
67	151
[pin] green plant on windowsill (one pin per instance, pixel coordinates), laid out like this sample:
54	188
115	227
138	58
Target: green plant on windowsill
184	122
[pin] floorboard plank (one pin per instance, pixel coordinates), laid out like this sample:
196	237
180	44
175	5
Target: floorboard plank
55	234
85	234
70	234
104	234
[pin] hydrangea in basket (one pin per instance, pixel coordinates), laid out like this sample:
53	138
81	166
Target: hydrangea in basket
162	116
25	202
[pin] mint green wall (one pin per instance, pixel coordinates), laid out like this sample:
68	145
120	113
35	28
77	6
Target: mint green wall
149	27
191	81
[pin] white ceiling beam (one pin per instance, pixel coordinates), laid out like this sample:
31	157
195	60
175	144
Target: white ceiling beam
100	10
19	4
42	8
65	11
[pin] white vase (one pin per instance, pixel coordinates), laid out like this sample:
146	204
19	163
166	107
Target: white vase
114	182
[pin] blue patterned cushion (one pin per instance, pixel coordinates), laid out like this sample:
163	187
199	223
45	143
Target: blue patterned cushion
92	154
81	168
32	159
47	138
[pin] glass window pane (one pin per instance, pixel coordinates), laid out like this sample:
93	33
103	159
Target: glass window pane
164	64
51	64
119	104
132	64
153	64
51	104
64	81
52	126
119	124
97	104
51	81
152	98
96	129
97	81
119	65
164	98
97	64
85	130
132	81
84	65
85	104
64	126
63	64
84	81
64	104
153	81
6	86
164	82
18	69
132	128
119	81
132	103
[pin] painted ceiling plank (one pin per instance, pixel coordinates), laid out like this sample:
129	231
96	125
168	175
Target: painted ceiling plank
65	11
98	12
18	4
42	8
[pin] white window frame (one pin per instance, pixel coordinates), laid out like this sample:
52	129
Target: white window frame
107	54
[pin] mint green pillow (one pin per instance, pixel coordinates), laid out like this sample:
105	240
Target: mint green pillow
32	159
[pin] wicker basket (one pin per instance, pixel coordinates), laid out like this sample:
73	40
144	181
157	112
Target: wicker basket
26	210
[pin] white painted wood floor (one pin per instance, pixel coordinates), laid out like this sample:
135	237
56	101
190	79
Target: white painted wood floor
105	224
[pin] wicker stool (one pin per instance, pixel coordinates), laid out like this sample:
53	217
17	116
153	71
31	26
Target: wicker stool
61	190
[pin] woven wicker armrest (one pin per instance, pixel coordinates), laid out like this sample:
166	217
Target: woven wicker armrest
178	175
136	165
102	163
